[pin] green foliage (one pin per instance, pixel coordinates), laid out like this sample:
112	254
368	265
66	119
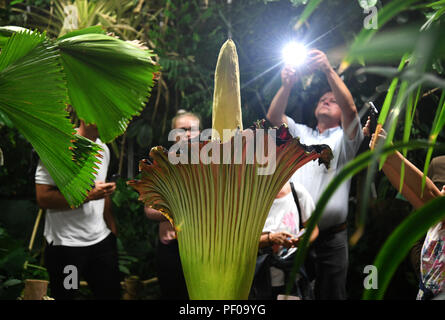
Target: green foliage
106	98
12	259
422	50
187	36
38	112
348	171
124	260
111	96
401	241
16	175
136	233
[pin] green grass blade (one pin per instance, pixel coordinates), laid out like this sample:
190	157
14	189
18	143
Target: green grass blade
391	91
307	12
348	171
384	15
439	122
409	117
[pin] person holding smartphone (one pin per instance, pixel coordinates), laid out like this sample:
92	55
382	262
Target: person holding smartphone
282	230
83	238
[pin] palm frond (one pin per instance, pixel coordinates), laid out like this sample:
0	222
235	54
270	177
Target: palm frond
33	96
109	80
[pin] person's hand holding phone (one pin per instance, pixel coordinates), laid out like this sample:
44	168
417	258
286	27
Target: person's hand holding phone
317	60
101	190
296	239
281	238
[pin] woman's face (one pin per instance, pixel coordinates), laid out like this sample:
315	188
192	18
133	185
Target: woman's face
190	125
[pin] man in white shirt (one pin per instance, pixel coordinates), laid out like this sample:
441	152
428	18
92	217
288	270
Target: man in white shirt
81	239
339	127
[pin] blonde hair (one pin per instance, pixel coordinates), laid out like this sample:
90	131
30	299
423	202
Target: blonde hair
183	113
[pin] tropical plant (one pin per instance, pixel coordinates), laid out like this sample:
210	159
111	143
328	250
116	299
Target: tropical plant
418	59
219	209
73	69
186	36
137	234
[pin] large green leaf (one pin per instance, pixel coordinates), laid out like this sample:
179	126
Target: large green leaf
109	80
401	241
6	32
33	96
390	46
385	14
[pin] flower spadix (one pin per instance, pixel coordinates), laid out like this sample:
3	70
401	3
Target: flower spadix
219	207
226	112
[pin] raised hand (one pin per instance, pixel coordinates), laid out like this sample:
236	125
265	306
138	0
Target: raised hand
317	60
288	77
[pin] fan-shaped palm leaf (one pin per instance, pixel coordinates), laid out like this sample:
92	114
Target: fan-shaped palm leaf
33	96
108	80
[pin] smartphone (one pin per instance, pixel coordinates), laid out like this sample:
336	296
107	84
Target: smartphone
114	177
299	234
373	112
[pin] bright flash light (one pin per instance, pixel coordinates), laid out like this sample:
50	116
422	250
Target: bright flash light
294	54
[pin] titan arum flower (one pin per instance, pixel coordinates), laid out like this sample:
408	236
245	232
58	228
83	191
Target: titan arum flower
219	208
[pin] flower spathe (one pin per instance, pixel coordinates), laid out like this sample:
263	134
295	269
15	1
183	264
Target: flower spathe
219	210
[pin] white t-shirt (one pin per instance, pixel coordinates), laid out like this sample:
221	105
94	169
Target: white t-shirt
283	216
315	177
80	227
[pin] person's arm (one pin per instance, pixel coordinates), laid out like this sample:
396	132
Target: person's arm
49	196
318	60
312	238
268	239
412	183
275	114
108	216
